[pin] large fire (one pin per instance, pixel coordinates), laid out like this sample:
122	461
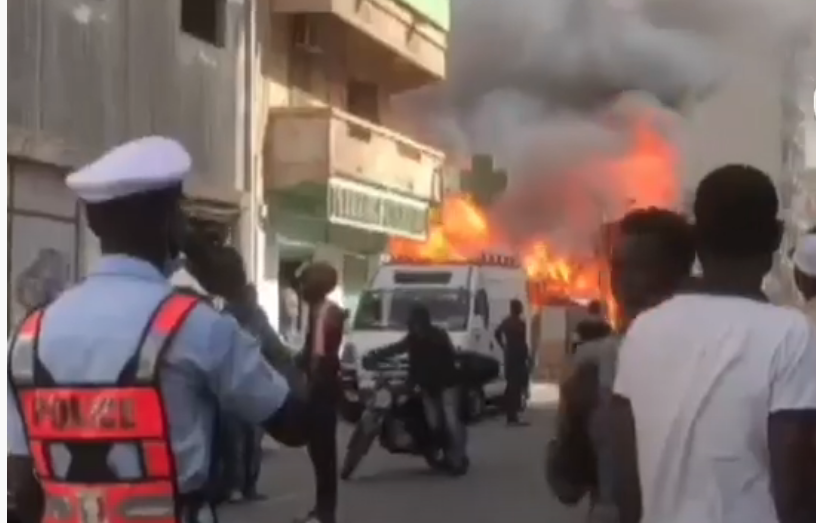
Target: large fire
644	175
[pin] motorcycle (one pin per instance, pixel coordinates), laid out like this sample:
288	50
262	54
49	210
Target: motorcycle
394	415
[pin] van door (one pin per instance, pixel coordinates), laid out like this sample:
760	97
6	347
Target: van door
480	316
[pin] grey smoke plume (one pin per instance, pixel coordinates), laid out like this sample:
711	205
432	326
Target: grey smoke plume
544	84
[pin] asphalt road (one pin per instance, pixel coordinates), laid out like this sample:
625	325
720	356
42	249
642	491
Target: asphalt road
505	482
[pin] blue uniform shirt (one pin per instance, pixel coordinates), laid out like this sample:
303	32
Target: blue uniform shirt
90	332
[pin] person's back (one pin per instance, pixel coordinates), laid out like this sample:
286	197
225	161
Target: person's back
432	363
72	323
140	370
717	370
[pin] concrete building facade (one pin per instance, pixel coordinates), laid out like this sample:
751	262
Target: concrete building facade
84	76
340	173
297	155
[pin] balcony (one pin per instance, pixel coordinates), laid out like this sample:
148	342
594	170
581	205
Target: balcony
412	32
357	173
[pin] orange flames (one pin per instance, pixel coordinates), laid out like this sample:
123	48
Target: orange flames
645	175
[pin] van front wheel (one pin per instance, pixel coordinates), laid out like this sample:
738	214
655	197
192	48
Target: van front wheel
474	404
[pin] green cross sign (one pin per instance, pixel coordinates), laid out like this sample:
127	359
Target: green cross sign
483	181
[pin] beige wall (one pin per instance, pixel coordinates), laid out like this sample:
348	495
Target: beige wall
742	120
296	77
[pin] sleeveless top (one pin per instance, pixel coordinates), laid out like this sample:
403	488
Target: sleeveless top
326	377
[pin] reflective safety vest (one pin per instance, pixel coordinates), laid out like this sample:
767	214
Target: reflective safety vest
86	419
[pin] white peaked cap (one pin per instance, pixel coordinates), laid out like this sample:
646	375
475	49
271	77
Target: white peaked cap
139	166
804	257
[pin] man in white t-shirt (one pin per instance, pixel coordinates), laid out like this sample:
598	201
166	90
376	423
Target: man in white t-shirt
715	395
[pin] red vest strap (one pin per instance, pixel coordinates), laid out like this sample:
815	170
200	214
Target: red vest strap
21	352
163	328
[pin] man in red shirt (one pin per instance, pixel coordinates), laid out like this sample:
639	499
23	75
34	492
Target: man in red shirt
321	361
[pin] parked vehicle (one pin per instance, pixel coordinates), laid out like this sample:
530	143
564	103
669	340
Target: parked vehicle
467	299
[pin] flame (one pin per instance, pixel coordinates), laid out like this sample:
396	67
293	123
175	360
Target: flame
645	176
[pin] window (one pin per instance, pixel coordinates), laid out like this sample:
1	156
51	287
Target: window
481	307
389	309
204	19
363	100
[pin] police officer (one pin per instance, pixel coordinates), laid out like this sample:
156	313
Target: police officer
113	386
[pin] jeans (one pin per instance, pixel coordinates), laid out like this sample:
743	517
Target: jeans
442	411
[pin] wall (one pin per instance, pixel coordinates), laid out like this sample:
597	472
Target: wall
306	78
45	238
295	78
808	100
86	75
742	120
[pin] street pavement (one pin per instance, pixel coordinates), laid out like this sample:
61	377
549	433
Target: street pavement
505	483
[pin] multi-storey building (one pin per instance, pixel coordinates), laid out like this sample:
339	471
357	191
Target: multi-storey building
84	76
341	173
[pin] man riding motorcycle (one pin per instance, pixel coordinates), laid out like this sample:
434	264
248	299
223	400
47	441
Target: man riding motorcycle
432	369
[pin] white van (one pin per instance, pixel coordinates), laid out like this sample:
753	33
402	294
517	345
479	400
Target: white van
468	300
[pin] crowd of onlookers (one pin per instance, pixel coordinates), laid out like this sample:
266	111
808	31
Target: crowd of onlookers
701	408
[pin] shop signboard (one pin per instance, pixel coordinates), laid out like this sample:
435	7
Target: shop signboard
377	210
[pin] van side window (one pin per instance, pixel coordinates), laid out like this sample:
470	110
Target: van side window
481	307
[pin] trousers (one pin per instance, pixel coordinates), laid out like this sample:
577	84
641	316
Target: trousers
513	392
322	447
517	376
442	411
251	456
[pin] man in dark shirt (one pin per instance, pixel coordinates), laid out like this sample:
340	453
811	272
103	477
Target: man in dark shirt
511	335
432	368
243	305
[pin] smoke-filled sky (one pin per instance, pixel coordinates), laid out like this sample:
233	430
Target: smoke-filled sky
549	83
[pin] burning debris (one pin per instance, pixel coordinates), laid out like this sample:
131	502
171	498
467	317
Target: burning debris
646	173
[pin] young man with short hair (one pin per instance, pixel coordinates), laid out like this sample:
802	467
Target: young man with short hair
714	411
650	259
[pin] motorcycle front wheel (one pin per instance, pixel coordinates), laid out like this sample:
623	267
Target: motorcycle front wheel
364	434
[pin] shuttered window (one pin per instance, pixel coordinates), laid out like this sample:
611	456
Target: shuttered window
44	237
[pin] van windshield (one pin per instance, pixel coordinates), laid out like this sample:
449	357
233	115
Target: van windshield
388	309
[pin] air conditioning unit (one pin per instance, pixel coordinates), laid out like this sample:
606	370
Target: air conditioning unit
304	34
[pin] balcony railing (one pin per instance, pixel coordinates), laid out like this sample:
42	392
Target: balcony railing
313	144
